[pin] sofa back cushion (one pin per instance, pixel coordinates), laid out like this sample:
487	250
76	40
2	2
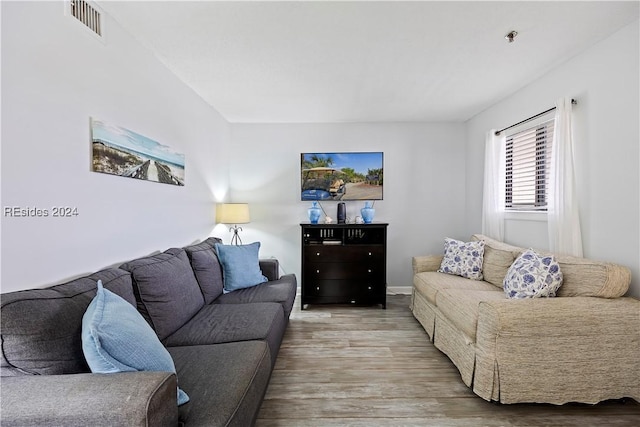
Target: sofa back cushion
207	268
166	290
581	276
41	329
498	257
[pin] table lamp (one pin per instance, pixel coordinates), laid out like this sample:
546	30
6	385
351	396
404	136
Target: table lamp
233	213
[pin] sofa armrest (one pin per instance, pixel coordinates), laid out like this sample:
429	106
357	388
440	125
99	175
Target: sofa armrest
270	268
426	263
561	316
289	278
131	398
571	348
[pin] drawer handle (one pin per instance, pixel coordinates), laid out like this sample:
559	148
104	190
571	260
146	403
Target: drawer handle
317	253
369	288
318	271
369	271
369	253
317	288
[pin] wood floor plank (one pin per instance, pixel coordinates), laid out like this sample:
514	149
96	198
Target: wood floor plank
365	366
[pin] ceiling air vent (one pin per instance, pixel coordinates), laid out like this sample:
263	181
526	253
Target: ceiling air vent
86	13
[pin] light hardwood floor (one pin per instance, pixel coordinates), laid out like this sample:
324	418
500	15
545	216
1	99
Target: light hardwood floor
364	366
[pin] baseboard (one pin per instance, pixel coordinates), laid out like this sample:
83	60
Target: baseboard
398	290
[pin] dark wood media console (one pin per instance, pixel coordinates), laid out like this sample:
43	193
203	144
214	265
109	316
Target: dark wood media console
344	264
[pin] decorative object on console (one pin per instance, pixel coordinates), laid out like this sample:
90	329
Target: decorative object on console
314	213
533	276
119	151
233	213
463	258
368	212
342	213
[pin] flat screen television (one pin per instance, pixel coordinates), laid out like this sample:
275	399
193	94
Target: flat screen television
342	176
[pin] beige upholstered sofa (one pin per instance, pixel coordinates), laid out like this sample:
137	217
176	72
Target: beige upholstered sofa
581	346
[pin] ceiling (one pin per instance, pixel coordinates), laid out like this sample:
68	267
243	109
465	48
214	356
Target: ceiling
363	61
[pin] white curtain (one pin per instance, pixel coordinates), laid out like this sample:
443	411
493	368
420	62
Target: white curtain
562	205
494	186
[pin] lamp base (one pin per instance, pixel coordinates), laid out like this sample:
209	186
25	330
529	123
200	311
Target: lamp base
235	240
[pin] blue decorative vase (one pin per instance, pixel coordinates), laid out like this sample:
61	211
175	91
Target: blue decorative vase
314	213
367	213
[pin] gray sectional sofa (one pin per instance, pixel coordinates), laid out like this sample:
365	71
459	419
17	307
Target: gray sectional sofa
223	345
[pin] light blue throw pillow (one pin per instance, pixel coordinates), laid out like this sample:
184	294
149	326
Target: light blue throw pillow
116	338
240	266
533	276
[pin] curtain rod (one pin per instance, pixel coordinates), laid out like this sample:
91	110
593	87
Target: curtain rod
498	132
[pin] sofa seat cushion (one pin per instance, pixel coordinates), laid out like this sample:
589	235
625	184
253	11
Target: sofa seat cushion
460	307
221	323
226	382
429	283
41	328
166	290
282	291
207	268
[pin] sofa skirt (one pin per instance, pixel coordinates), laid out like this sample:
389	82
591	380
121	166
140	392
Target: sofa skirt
424	312
455	344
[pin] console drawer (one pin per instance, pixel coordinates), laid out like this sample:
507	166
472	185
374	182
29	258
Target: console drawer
342	288
343	253
342	270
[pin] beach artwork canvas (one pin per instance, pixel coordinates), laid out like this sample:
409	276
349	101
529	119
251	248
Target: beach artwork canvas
119	151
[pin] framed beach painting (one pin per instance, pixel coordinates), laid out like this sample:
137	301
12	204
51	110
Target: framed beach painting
119	151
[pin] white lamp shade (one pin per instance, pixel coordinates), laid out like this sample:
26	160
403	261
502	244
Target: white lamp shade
232	213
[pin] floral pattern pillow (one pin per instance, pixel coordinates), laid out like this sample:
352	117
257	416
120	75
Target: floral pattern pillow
463	258
532	276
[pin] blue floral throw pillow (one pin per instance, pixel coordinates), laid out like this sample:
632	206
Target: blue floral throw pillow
463	258
532	276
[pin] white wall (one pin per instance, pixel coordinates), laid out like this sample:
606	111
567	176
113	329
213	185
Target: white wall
55	75
604	80
424	188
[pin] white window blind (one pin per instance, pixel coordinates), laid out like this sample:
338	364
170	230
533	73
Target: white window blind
528	157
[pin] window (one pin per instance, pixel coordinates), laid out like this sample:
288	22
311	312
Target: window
528	157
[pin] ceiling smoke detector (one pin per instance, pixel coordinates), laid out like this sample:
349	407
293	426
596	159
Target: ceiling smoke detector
511	36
